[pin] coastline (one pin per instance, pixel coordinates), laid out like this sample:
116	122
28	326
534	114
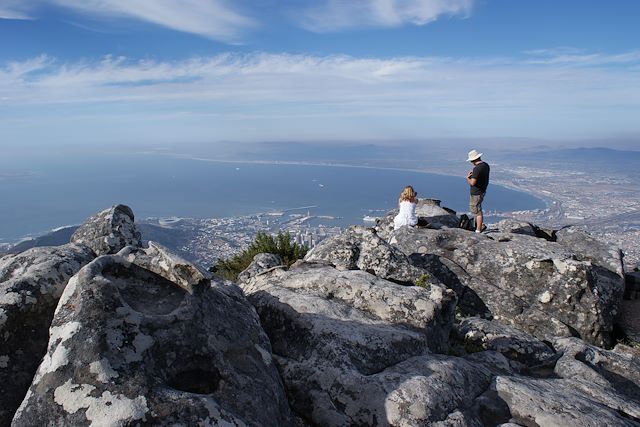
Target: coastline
503	183
34	235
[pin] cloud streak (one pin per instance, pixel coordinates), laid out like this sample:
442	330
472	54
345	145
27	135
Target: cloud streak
215	19
337	15
229	21
496	96
15	9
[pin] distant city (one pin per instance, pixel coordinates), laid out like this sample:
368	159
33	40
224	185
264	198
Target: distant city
204	241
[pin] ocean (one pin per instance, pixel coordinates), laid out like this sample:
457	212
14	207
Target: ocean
42	193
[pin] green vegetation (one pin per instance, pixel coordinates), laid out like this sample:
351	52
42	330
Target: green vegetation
422	281
263	243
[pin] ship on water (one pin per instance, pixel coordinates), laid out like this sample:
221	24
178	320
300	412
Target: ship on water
368	218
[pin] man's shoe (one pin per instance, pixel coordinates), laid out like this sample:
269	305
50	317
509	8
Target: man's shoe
484	227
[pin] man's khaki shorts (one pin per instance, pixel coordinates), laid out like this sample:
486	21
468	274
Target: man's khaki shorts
475	203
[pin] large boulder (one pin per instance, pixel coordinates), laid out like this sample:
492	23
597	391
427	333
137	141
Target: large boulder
513	226
361	248
354	349
590	387
539	286
529	401
587	248
478	334
30	285
129	347
611	377
108	231
260	263
161	261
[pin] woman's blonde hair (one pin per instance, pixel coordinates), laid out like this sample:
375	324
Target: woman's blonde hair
408	194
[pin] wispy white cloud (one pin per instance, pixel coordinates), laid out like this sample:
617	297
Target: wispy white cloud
335	15
580	57
499	96
15	9
230	21
216	19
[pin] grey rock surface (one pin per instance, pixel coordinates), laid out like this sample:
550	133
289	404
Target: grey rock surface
477	333
108	231
161	261
143	337
588	248
611	377
538	286
592	387
30	285
513	226
361	248
260	263
554	402
129	347
354	349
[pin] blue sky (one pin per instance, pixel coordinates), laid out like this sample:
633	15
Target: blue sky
160	71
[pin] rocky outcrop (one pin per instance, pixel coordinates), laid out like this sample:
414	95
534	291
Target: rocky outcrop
587	248
529	401
260	263
361	248
344	340
537	286
590	387
478	334
515	227
30	285
161	261
129	347
108	231
611	377
421	326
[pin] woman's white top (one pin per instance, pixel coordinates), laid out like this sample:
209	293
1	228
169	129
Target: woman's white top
406	216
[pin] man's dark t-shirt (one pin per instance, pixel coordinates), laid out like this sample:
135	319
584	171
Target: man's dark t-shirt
481	174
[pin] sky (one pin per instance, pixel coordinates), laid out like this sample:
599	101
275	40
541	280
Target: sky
100	72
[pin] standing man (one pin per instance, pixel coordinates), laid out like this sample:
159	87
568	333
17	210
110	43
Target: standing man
478	179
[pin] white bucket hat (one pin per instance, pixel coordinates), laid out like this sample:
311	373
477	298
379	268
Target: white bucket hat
473	155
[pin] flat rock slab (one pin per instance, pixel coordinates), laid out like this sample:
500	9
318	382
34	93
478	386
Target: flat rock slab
129	347
30	285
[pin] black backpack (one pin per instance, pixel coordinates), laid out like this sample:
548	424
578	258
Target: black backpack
465	223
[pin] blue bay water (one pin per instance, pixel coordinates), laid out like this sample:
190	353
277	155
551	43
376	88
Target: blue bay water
39	194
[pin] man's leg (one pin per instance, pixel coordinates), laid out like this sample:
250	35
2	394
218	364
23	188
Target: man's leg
478	212
479	219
